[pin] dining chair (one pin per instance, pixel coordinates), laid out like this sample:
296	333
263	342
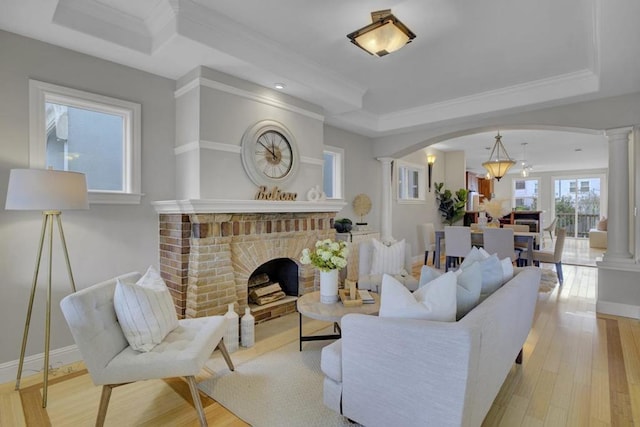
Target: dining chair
458	241
499	241
112	362
427	240
554	256
519	246
550	228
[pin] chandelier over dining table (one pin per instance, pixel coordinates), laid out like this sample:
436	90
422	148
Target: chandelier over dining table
499	164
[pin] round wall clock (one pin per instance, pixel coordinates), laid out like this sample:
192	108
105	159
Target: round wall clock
269	153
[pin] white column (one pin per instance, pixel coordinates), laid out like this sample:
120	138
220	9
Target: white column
385	217
618	191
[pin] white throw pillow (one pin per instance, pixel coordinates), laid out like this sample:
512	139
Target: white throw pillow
507	269
427	274
469	286
387	259
434	301
145	310
474	255
492	274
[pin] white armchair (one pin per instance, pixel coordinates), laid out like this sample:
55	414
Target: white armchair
369	281
110	360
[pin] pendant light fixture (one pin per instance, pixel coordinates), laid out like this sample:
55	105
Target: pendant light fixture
499	165
384	35
525	166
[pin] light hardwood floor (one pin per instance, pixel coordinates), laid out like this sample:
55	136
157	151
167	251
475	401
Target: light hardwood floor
579	369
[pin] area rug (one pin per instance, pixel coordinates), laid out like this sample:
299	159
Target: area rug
280	388
548	280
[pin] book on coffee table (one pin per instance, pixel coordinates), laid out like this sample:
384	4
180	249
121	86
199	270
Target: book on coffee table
366	296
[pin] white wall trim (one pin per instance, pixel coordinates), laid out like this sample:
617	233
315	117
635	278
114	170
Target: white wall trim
230	148
212	84
617	309
312	161
35	364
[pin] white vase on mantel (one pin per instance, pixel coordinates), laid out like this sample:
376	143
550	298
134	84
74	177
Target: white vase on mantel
329	286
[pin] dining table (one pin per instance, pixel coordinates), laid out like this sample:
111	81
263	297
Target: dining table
527	237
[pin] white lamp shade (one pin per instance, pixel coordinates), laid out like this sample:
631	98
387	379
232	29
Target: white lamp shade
46	190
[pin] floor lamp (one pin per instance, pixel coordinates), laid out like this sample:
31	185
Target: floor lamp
51	192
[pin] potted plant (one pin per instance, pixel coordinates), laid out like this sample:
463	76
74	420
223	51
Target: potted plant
451	206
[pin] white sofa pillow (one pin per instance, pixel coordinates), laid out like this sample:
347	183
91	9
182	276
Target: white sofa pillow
145	310
434	301
474	255
468	286
387	259
507	269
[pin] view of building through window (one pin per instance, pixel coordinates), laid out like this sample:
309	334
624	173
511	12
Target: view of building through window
86	141
525	194
410	182
332	180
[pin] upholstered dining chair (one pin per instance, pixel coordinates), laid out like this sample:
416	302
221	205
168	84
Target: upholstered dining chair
427	240
458	241
519	246
111	362
552	257
499	241
551	227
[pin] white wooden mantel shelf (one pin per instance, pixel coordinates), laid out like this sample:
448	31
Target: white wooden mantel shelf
195	206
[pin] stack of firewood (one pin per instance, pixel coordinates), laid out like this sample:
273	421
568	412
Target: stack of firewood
263	291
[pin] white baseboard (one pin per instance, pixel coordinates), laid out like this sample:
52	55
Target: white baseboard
35	364
617	309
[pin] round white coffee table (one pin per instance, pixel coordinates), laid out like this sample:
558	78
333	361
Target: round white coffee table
309	305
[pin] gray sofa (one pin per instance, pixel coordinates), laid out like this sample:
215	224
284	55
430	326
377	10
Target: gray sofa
423	373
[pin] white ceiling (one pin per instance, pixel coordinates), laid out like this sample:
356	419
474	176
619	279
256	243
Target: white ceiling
469	59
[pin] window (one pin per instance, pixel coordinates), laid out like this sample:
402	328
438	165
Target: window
411	182
333	173
525	194
79	131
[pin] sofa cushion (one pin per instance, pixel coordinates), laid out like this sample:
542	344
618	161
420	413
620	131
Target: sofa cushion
331	361
435	300
387	259
145	310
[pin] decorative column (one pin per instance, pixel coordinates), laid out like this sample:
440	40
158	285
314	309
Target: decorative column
385	217
618	189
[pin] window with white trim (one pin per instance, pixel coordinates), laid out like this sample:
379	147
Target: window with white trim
410	182
79	131
333	173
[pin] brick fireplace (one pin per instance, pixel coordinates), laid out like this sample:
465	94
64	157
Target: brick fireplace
209	249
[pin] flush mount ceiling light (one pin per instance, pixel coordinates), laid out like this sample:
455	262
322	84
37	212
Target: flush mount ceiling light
279	86
384	35
499	165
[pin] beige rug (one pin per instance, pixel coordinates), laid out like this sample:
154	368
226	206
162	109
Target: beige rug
280	388
548	281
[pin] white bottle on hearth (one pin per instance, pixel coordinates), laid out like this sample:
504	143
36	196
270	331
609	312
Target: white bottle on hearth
247	329
232	333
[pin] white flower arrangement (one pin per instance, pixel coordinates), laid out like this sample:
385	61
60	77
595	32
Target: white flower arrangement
496	208
327	255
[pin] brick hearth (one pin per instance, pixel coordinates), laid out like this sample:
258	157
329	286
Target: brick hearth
207	258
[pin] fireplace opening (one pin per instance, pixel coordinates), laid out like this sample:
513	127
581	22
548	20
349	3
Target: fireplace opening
272	281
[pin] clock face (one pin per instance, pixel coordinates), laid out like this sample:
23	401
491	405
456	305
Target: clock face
273	154
269	154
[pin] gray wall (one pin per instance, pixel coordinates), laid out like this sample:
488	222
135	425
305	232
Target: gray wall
107	239
362	173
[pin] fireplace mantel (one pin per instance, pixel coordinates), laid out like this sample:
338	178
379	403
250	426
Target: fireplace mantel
198	206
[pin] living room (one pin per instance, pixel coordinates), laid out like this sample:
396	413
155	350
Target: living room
206	111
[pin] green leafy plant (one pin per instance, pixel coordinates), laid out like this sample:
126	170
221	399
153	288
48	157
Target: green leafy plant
451	206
